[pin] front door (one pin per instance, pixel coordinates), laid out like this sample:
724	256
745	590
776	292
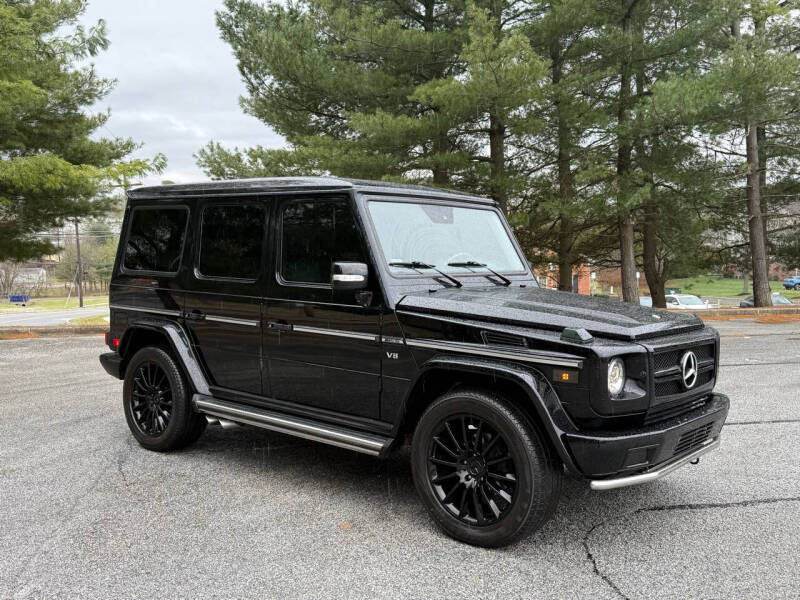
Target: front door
322	347
223	303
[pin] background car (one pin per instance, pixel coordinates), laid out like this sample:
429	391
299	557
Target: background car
792	283
777	300
686	302
645	301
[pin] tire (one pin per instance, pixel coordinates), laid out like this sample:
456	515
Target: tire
453	469
157	402
797	286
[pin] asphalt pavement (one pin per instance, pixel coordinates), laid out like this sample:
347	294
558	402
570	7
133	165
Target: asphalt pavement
48	317
244	513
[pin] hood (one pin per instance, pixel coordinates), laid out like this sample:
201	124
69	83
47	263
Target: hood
549	309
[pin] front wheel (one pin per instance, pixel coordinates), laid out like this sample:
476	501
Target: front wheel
157	402
483	471
797	286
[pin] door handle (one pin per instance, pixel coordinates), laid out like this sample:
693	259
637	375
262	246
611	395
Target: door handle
195	315
278	326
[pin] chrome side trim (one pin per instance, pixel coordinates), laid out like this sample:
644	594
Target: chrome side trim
656	472
155	311
373	445
232	321
336	332
532	357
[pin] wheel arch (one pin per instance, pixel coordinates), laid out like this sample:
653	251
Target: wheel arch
169	336
526	387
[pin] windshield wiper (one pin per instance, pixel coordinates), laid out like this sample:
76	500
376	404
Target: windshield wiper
417	265
471	264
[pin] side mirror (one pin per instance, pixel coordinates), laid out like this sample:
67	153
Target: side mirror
349	276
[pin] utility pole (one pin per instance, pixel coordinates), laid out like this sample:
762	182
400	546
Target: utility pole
79	275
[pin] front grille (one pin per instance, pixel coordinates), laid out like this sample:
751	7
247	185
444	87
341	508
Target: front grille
670	396
693	439
672	358
672	387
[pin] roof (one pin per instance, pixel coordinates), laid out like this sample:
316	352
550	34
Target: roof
264	185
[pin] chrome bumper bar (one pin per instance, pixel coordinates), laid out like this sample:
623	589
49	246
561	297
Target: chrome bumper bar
656	472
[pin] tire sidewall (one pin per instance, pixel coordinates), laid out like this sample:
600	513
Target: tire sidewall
486	408
180	409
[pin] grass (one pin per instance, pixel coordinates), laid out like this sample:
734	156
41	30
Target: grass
724	288
93	320
37	304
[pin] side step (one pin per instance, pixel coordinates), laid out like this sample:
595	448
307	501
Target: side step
374	445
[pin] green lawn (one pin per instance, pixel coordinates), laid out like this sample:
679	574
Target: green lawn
724	288
52	304
92	320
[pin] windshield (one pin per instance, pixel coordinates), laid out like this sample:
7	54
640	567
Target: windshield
690	300
443	237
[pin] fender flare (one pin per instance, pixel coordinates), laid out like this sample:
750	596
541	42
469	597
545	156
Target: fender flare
552	417
180	343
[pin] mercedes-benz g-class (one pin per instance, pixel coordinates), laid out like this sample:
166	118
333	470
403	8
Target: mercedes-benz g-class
362	314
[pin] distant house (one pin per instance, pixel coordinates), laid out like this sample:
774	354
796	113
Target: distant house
581	278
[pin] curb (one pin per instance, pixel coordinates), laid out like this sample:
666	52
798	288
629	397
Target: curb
33	331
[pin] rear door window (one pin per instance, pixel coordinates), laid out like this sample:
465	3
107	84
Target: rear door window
231	241
155	239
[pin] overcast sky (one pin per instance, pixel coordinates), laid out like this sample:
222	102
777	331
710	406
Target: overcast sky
178	86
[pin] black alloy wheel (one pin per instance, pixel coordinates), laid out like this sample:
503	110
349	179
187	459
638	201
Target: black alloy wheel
157	401
482	468
151	399
471	470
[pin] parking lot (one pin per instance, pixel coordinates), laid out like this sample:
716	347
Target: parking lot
86	513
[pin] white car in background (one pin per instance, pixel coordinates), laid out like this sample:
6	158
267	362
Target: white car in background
686	302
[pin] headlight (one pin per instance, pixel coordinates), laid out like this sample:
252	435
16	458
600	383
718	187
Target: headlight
616	376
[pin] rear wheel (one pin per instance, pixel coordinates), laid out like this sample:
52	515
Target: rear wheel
797	286
483	471
157	402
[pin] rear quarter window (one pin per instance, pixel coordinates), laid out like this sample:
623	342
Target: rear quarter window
155	239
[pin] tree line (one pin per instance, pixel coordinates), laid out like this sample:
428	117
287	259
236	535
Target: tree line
625	133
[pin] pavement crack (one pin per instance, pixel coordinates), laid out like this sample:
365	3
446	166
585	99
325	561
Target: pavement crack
122	458
702	506
760	363
595	568
590	557
769	422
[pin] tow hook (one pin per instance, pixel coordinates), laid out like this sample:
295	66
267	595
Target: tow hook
695	461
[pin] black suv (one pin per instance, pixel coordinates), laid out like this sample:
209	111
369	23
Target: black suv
361	314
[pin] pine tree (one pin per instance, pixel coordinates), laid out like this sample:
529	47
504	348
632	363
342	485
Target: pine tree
50	167
745	103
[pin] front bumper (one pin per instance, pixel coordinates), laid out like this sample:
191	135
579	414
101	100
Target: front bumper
654	449
112	363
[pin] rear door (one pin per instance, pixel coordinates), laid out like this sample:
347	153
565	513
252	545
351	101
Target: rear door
223	301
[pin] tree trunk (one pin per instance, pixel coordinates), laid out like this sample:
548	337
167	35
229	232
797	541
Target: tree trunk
653	271
630	287
762	178
497	161
758	240
79	270
441	175
566	189
564	255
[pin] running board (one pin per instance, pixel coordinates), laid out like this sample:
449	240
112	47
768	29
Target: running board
367	443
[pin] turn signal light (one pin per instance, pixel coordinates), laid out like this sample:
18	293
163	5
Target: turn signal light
565	375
